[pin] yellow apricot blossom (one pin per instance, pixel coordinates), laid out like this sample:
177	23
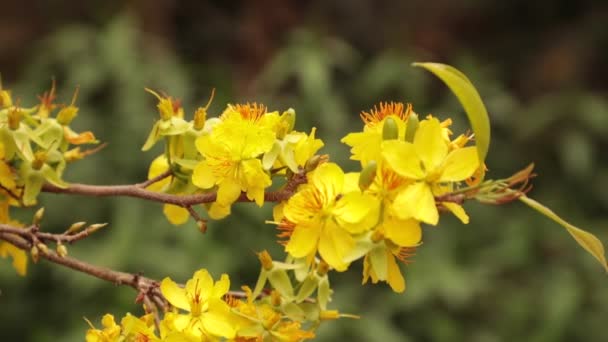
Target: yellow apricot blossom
209	315
429	163
366	145
175	214
109	333
231	161
324	218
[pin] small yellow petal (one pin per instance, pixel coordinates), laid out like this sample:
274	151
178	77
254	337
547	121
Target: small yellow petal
202	176
401	156
417	201
457	209
460	164
176	214
303	241
334	244
395	278
19	257
404	233
329	180
429	144
228	192
174	294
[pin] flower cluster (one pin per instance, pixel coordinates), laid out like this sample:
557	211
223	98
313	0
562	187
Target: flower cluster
376	214
205	310
36	144
233	154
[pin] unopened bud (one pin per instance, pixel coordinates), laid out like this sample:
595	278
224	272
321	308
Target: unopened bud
312	163
200	116
287	122
62	251
43	248
322	268
14	118
368	175
35	253
265	260
327	315
39	160
75	227
67	114
95	227
38	216
390	130
412	127
202	226
275	298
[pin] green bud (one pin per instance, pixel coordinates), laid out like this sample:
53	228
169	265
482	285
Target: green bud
412	127
288	121
35	253
390	130
368	174
75	227
43	248
14	118
62	251
38	216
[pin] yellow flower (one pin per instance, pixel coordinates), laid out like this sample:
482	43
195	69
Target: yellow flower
429	162
324	218
366	145
110	332
231	161
380	265
139	329
386	186
208	314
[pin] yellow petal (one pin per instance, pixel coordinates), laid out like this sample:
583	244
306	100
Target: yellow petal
365	146
176	214
395	278
221	287
460	164
417	201
7	179
18	255
228	192
217	325
201	282
457	209
303	241
218	211
429	144
329	180
334	244
401	156
202	176
174	294
357	212
404	233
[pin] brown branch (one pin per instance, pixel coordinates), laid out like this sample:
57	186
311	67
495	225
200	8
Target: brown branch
154	179
185	201
33	232
146	287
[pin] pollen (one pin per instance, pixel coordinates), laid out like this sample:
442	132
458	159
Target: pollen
384	110
405	254
250	111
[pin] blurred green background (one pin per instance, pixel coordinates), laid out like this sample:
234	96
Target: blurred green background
509	275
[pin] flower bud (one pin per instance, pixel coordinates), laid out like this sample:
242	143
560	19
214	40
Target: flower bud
35	253
367	175
265	260
200	116
75	227
62	251
67	114
412	127
287	122
43	248
38	216
14	118
390	130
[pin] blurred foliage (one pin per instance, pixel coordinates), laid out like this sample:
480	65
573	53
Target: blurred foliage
508	275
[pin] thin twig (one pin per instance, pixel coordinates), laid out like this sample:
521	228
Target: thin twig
184	201
154	179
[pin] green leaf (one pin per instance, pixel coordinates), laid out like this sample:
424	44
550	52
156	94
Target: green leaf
587	240
469	99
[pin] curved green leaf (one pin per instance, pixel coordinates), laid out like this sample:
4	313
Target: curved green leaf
587	240
470	100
